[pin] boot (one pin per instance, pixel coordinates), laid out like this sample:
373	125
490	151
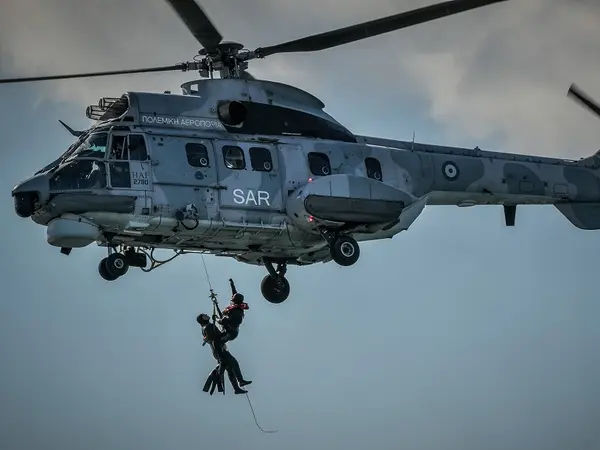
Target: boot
235	367
234	383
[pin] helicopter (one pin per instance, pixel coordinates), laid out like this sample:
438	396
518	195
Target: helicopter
258	171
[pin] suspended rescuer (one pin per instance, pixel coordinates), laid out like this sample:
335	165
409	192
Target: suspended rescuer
215	338
233	315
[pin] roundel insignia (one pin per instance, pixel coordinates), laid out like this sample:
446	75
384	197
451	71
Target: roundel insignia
199	175
450	171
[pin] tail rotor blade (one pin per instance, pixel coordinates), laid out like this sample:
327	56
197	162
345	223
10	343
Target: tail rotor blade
579	96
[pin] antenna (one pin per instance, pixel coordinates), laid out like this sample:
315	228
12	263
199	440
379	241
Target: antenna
412	147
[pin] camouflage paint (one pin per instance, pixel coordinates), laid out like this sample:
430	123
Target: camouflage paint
252	228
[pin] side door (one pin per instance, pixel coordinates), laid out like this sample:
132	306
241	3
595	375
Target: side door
295	162
183	161
185	171
130	168
249	175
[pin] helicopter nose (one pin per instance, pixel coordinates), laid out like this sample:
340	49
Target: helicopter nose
29	193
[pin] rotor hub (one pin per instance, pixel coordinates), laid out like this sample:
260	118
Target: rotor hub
224	48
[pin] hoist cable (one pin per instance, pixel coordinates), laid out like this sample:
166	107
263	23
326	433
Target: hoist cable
206	272
254	415
213	297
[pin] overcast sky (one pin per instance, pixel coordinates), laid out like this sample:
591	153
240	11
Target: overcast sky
458	334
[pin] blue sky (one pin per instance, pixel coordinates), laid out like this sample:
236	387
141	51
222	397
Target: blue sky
457	334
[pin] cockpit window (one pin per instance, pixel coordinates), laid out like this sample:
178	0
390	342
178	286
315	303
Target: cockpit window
79	174
137	147
128	147
118	149
94	146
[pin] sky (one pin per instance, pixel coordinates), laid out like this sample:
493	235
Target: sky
458	334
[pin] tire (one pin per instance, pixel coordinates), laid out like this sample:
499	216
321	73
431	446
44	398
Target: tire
345	251
116	265
275	290
103	271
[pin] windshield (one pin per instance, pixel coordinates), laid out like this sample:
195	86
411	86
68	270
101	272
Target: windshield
94	146
81	174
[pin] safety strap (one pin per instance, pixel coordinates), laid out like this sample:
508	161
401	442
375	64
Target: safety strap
216	310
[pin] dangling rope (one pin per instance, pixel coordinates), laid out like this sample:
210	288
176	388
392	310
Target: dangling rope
254	415
213	297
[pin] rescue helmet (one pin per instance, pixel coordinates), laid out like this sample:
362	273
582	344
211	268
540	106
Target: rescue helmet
203	319
237	298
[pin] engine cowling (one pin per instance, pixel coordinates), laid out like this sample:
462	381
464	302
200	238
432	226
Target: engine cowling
336	200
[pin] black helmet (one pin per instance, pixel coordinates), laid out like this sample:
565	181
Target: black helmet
203	319
237	298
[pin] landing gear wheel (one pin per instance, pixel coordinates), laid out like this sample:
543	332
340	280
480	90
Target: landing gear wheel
116	265
345	251
102	269
275	289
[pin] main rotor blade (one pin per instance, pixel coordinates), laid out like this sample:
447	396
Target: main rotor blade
585	100
376	27
197	22
182	66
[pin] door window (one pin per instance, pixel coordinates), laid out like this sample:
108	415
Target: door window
233	157
197	155
261	160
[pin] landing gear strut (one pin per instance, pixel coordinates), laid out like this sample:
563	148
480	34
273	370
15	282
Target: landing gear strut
275	287
344	249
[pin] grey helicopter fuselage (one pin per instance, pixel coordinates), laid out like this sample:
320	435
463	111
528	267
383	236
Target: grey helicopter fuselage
258	171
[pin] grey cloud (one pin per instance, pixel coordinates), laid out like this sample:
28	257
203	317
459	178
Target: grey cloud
501	71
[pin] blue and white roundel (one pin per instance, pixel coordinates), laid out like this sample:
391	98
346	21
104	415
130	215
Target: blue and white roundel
450	171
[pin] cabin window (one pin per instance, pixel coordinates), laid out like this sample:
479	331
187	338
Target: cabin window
234	157
197	155
319	163
260	158
373	168
120	175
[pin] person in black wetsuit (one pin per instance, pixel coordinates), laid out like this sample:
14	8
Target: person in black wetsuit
233	315
212	336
